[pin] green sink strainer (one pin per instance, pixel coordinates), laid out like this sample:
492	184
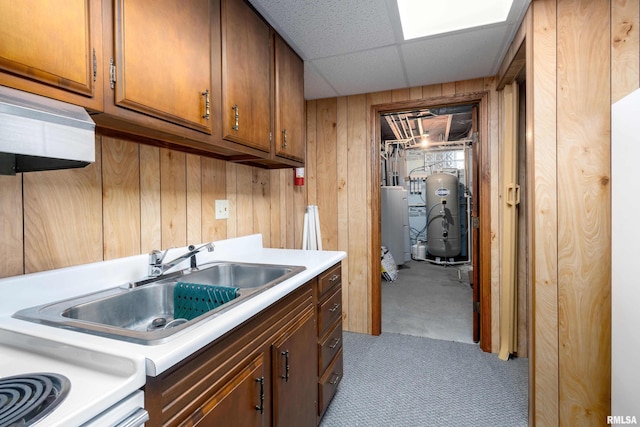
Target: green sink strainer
190	300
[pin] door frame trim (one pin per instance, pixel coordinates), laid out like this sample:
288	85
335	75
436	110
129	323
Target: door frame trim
484	199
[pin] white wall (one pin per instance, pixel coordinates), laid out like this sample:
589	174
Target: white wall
625	239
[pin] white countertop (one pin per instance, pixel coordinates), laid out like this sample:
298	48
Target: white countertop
20	292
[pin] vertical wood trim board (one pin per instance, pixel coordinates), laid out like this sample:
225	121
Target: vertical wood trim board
584	217
529	245
310	167
150	211
11	228
432	91
327	193
375	239
489	189
625	48
288	208
230	178
542	95
173	199
244	200
373	210
213	188
415	92
276	216
194	199
357	189
120	198
342	177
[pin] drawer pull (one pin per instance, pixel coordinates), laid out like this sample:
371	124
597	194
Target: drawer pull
207	105
286	366
336	341
334	308
236	116
260	407
334	278
335	379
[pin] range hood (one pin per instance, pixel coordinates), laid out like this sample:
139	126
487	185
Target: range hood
38	134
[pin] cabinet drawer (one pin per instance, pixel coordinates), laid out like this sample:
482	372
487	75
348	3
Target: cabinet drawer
329	382
329	279
329	347
330	310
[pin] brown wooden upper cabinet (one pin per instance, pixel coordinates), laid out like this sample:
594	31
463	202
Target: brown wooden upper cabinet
162	64
59	58
246	76
203	76
290	136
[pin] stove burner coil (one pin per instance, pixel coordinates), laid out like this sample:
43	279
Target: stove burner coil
26	399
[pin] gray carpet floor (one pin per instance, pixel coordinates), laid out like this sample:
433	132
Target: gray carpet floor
429	300
401	380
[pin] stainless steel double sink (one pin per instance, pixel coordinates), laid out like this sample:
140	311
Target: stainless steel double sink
143	312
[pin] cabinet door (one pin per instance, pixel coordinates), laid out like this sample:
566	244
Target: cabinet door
241	401
163	60
289	135
246	76
52	48
294	374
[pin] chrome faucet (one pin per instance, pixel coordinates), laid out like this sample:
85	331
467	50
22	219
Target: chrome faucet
157	267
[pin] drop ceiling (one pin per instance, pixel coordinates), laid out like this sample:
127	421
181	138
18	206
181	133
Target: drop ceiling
356	46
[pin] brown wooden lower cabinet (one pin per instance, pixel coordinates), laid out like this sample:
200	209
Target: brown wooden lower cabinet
263	373
328	301
232	404
294	379
329	382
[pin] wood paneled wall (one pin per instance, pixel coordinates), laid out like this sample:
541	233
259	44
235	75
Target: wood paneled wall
582	55
339	167
136	198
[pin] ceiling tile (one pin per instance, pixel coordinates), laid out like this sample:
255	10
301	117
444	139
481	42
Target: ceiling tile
356	46
330	27
362	72
465	55
315	86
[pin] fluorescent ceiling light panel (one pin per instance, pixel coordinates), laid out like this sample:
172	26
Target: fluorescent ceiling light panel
421	18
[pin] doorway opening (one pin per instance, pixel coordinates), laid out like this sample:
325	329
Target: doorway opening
426	195
442	233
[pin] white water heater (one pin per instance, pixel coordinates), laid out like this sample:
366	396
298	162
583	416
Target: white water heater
394	216
443	215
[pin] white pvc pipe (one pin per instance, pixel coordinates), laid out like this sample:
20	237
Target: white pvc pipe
318	235
305	236
312	228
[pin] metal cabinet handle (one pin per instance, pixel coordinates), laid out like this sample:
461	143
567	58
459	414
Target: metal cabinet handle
236	126
334	278
260	407
286	366
207	105
337	377
284	138
334	308
336	341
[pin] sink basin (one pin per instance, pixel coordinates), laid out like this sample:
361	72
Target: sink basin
143	312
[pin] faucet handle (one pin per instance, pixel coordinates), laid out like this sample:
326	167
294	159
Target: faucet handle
156	256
